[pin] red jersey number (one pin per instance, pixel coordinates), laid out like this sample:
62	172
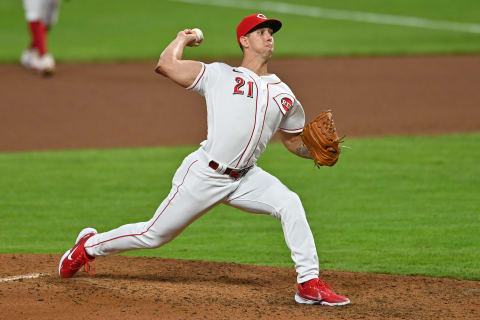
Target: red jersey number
240	83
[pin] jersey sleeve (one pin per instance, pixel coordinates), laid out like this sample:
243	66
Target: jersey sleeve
294	121
206	78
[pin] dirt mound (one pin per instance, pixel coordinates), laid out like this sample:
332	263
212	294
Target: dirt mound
155	288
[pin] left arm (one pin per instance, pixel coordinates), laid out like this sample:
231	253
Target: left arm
294	143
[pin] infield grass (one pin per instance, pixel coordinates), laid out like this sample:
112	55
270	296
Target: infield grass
400	205
125	30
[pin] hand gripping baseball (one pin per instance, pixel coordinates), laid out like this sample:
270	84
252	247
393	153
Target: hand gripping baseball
193	37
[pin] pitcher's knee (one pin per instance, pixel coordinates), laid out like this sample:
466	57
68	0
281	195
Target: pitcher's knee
290	203
157	239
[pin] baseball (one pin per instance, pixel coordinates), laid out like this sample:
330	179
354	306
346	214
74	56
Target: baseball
199	34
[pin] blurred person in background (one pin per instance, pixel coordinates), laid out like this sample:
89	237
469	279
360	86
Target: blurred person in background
41	16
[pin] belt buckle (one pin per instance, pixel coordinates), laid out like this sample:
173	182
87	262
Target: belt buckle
242	172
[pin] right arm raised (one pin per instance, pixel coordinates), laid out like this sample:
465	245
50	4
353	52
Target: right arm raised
171	65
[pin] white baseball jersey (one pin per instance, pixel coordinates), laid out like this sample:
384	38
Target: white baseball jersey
244	112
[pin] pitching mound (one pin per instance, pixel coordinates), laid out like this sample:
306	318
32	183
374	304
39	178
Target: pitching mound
154	288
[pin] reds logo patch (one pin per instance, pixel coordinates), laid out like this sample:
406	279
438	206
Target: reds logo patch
284	102
261	16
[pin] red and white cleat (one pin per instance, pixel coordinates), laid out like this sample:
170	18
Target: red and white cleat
44	64
316	291
73	259
28	55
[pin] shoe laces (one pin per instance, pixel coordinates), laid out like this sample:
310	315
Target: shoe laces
83	260
87	267
323	286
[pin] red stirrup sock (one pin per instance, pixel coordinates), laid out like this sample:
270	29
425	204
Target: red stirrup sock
39	36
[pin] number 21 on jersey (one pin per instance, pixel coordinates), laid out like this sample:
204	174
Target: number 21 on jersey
240	83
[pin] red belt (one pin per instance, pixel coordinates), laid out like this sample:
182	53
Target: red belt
234	173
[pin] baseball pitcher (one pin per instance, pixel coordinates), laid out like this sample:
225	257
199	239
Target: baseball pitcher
246	106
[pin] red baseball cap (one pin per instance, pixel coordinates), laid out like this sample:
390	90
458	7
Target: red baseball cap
254	20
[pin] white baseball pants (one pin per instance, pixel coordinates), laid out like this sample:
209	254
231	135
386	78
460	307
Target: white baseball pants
42	10
195	189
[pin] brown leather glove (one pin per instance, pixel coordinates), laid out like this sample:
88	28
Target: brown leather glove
321	138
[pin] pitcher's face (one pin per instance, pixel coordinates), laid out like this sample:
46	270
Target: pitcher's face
261	41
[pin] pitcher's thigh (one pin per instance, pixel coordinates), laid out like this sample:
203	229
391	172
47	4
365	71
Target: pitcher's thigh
192	195
261	192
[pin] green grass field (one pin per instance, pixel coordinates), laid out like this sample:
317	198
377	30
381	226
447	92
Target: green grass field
123	29
402	205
